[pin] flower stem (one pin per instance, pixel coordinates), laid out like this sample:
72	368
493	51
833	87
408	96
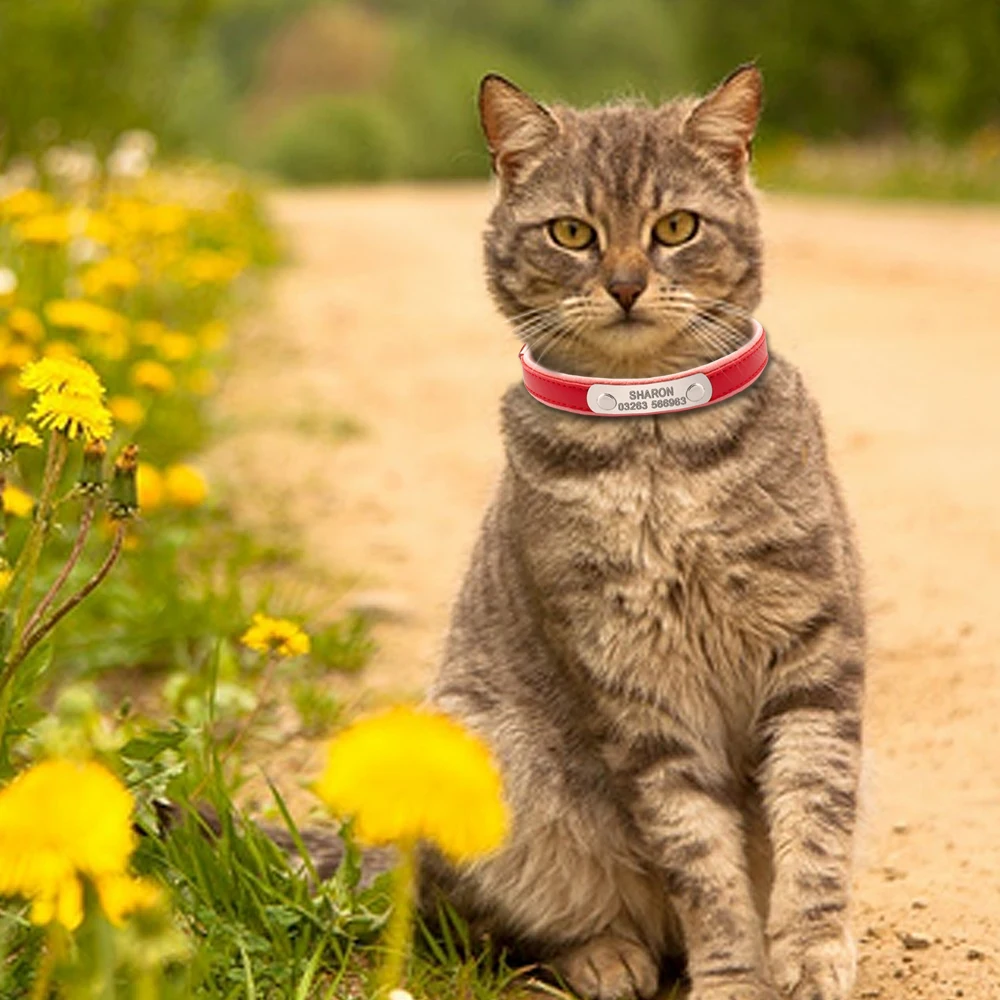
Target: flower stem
86	520
27	561
43	629
399	933
262	693
40	988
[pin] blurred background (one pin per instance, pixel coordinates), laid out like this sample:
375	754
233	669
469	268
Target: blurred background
862	95
319	439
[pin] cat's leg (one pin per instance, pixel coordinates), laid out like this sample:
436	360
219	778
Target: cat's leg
690	819
568	886
563	891
809	779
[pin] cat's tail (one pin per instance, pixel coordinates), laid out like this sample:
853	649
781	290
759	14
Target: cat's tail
323	845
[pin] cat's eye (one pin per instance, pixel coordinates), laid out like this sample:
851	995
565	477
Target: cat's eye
573	234
675	228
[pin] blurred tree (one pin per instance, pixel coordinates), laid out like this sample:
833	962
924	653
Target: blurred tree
86	69
859	67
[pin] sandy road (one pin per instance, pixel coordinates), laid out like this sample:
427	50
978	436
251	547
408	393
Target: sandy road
892	312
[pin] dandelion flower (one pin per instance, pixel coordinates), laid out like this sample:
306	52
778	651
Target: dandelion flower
149	482
51	229
409	774
127	410
186	487
17	502
25	202
6	575
63	375
25	324
121	895
78	314
76	416
14	436
113	274
61	349
209	267
152	375
176	346
275	635
16	355
60	820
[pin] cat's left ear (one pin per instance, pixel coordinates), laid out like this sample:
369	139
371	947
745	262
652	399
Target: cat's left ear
724	122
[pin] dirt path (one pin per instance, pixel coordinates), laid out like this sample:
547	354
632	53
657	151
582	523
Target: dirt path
894	315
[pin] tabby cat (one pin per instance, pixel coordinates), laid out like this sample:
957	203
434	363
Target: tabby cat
661	633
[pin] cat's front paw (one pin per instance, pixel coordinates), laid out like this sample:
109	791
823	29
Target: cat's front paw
736	989
609	968
814	970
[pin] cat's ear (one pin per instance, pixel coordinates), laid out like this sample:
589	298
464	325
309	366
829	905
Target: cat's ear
516	126
724	122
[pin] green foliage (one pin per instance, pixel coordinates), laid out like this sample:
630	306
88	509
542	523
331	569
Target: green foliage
77	69
201	72
335	139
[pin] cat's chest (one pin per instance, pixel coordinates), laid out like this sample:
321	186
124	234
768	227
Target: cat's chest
634	571
628	538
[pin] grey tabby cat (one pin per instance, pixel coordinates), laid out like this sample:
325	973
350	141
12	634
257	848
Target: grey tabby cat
661	633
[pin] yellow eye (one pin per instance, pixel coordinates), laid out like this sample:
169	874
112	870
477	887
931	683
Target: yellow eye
675	228
573	234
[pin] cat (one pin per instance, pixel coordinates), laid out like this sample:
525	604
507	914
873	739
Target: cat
661	631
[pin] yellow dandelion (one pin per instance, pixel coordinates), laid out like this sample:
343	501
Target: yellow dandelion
14	436
61	349
149	332
165	219
76	416
127	410
176	346
409	774
25	324
17	502
16	355
113	346
186	487
209	267
149	482
152	375
113	274
25	202
65	375
79	314
6	575
100	228
121	895
60	820
50	229
275	635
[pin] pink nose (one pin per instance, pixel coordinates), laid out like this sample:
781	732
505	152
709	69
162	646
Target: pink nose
626	292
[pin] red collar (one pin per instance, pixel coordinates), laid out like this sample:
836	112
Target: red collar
629	397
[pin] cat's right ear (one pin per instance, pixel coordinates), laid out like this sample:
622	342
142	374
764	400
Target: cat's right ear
516	126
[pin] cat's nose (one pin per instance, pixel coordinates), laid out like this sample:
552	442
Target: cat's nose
626	290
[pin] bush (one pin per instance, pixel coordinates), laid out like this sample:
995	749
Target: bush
335	139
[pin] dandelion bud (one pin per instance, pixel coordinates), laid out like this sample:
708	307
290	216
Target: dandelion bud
123	497
91	479
14	436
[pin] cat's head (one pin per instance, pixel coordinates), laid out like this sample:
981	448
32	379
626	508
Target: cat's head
625	241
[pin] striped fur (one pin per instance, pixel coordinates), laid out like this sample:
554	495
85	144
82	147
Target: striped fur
660	633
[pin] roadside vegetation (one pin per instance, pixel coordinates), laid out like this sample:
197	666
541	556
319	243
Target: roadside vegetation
867	98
